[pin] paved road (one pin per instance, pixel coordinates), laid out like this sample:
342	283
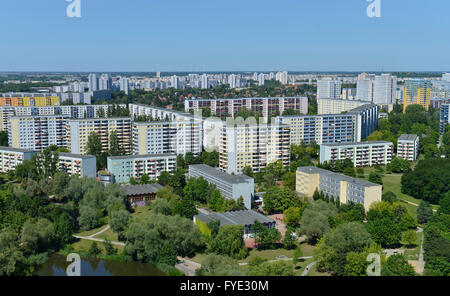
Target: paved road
308	267
188	267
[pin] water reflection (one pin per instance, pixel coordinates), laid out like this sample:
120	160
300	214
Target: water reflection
57	265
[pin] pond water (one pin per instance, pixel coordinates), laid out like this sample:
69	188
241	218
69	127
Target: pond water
57	264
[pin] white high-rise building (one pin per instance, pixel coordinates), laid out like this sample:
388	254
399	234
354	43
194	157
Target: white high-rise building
365	89
328	88
261	79
93	82
105	82
282	77
205	81
255	76
233	81
124	85
271	76
385	89
174	81
446	77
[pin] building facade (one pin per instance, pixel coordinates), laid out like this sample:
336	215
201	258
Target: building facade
78	131
337	106
231	186
265	106
328	88
76	164
361	153
417	92
12	157
445	117
37	132
344	188
253	145
157	137
28	100
123	168
408	147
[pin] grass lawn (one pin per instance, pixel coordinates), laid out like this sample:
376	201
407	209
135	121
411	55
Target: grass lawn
269	254
313	272
91	232
108	234
301	265
198	257
141	213
393	183
412	253
84	245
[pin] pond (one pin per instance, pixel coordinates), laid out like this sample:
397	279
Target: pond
57	264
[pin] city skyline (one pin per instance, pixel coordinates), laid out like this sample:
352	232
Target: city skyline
293	36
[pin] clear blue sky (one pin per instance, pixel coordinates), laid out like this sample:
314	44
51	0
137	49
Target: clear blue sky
224	35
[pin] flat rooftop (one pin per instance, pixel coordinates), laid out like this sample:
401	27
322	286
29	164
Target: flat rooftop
164	109
253	98
143	156
216	173
244	217
73	155
341	177
2	148
357	143
407	137
131	190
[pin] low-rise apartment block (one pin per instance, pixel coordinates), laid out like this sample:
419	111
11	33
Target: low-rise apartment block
408	147
76	164
26	100
123	168
12	157
158	137
344	188
158	113
265	106
231	186
361	153
37	132
78	131
253	145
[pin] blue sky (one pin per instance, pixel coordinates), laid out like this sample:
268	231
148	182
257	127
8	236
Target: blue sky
219	35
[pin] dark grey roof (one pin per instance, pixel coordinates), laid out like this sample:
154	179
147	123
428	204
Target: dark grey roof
340	177
131	190
15	149
357	143
216	173
362	108
143	156
408	137
244	217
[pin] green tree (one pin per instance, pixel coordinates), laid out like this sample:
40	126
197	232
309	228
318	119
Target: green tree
119	221
94	147
229	241
94	250
277	199
397	265
265	238
110	250
385	232
115	149
409	238
375	177
144	179
424	212
292	216
315	220
161	206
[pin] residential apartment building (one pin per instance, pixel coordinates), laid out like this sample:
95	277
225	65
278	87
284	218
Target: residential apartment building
417	91
123	168
385	86
338	186
408	147
445	117
28	100
337	106
12	157
361	153
353	126
76	164
158	113
328	88
158	137
253	145
72	111
78	131
230	186
37	132
265	106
